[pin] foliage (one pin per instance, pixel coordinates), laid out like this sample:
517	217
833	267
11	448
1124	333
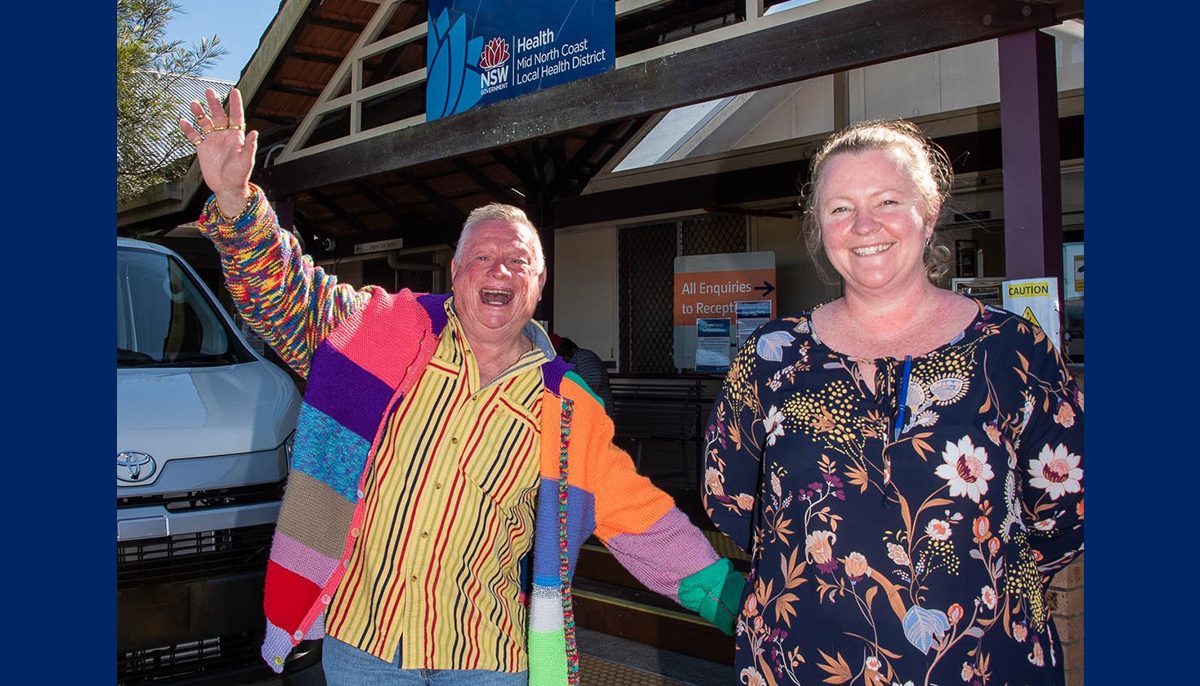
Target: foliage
150	148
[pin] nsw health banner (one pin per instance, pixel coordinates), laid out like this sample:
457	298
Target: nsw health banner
484	51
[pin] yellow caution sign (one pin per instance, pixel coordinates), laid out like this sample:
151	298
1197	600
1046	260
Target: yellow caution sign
1037	301
1028	314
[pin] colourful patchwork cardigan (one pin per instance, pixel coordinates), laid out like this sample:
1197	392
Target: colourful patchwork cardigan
358	372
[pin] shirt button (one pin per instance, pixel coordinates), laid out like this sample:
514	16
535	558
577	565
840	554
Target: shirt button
413	577
346	563
298	635
454	440
278	660
424	534
360	493
354	532
438	485
325	599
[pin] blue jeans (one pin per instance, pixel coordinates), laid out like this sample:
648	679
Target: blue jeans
346	665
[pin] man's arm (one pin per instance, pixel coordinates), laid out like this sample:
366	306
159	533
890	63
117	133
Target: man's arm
288	301
647	534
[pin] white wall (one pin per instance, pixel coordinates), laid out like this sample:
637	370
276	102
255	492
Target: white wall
585	289
799	285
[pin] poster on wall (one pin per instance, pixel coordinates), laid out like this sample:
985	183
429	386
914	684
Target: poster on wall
1037	301
751	314
721	285
712	345
484	51
1072	270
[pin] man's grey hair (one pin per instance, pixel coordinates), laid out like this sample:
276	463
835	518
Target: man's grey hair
495	211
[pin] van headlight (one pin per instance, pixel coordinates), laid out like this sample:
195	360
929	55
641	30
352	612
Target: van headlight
288	444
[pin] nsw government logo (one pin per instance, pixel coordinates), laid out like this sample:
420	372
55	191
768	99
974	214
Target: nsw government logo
493	66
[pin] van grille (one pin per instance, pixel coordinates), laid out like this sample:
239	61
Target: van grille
201	500
185	662
193	557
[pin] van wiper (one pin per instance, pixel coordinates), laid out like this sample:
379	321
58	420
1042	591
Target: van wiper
133	358
130	358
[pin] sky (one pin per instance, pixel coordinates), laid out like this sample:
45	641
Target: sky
239	24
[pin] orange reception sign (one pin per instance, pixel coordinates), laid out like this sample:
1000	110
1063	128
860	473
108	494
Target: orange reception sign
716	287
708	294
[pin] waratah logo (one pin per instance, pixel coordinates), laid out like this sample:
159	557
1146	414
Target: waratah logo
495	53
493	67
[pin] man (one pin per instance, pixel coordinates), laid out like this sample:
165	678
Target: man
440	441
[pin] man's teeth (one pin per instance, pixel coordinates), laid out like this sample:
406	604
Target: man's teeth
495	297
871	249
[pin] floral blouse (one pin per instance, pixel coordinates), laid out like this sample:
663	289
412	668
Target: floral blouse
899	555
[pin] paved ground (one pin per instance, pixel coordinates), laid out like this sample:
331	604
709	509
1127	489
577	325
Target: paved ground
611	661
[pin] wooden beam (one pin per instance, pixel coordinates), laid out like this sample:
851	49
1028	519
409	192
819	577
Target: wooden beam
336	210
501	194
517	169
848	38
294	90
339	24
307	56
381	202
444	208
972	152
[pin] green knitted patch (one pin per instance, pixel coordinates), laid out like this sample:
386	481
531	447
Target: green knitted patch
547	658
579	380
715	593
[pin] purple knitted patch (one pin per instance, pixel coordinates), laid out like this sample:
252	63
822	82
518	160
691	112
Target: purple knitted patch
299	558
435	307
552	374
665	554
346	393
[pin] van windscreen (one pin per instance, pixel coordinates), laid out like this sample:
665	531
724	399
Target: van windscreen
164	318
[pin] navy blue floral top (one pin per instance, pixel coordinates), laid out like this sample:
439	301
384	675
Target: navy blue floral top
895	553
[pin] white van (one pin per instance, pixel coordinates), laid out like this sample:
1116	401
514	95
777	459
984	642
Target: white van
204	431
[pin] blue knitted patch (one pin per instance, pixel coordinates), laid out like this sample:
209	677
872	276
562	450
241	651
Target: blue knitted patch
581	522
318	437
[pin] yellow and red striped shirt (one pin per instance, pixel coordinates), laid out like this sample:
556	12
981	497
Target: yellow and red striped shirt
450	501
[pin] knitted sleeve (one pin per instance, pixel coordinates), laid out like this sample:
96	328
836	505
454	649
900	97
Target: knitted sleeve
287	300
647	534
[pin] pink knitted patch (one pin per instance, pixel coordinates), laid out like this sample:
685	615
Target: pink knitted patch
385	337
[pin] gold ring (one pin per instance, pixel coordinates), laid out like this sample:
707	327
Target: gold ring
205	132
197	142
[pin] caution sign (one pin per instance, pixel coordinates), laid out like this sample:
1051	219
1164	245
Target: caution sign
1037	301
1028	314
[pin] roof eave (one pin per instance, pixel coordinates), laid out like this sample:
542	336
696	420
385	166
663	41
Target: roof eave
169	198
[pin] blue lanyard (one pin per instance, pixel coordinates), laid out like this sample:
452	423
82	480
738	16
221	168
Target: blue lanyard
903	400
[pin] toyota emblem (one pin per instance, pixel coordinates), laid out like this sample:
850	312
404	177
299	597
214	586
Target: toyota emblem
134	466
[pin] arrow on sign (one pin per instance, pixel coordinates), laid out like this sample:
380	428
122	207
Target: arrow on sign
766	288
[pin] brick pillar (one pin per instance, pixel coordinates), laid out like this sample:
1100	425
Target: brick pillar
1066	601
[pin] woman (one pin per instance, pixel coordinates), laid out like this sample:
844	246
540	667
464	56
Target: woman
895	542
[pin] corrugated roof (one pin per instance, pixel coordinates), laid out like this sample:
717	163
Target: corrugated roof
183	89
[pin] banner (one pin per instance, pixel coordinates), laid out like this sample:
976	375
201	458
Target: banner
484	51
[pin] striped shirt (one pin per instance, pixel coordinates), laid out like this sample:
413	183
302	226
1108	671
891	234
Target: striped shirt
450	502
